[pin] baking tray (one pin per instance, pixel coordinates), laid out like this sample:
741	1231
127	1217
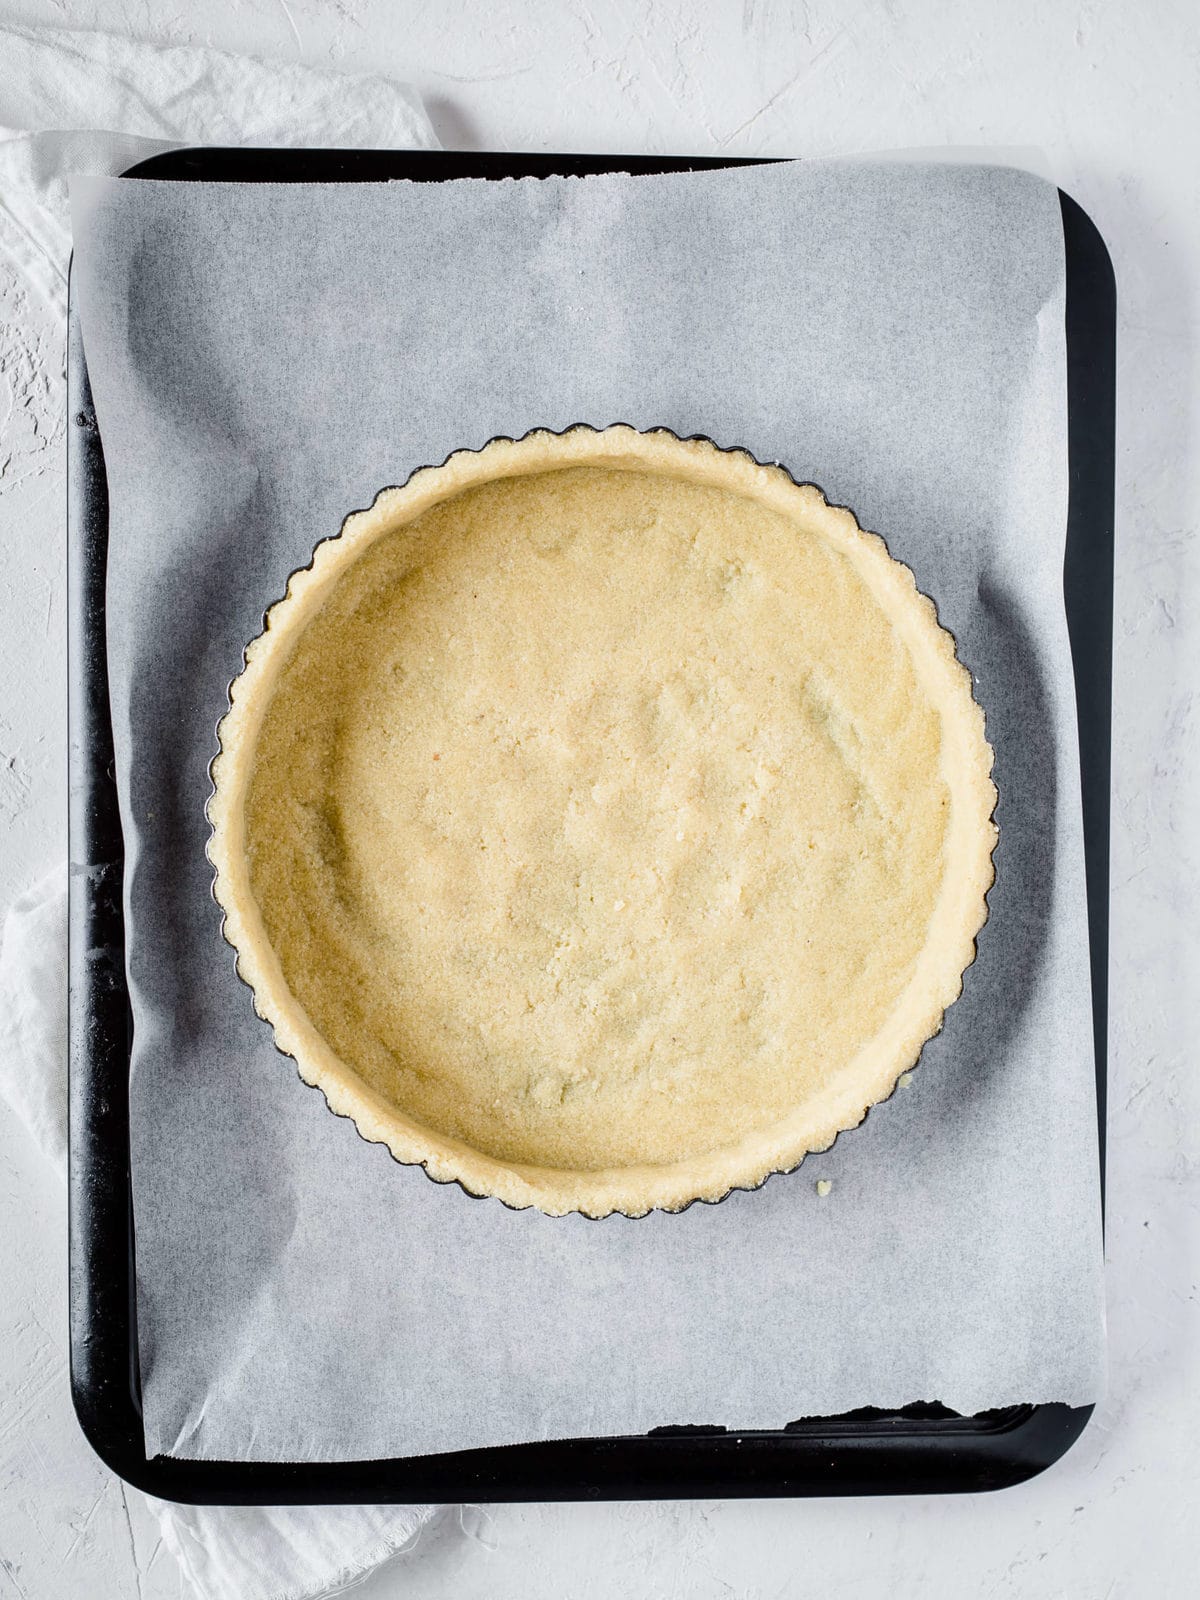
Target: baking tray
923	1448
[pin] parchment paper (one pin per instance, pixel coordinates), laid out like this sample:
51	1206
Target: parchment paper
264	359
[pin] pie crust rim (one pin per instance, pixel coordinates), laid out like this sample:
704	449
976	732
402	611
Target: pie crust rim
630	1190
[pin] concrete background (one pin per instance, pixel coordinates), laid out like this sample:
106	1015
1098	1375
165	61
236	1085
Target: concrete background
1111	94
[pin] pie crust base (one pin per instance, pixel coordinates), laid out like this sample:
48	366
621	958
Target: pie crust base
603	821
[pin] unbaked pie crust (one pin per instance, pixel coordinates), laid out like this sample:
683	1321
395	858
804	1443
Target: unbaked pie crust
603	821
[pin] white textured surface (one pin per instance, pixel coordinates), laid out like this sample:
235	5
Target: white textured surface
1111	93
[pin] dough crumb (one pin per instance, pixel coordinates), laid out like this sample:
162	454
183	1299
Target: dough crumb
824	1186
903	1081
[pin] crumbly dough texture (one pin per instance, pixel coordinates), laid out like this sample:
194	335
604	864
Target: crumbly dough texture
603	820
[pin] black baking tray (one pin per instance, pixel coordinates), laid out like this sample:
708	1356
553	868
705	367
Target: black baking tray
923	1448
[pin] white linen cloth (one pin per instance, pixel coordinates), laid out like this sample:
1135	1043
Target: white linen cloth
72	103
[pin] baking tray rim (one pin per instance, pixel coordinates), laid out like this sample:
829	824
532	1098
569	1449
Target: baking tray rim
917	1449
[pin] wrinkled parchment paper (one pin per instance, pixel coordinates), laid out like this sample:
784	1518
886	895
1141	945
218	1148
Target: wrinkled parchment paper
264	359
